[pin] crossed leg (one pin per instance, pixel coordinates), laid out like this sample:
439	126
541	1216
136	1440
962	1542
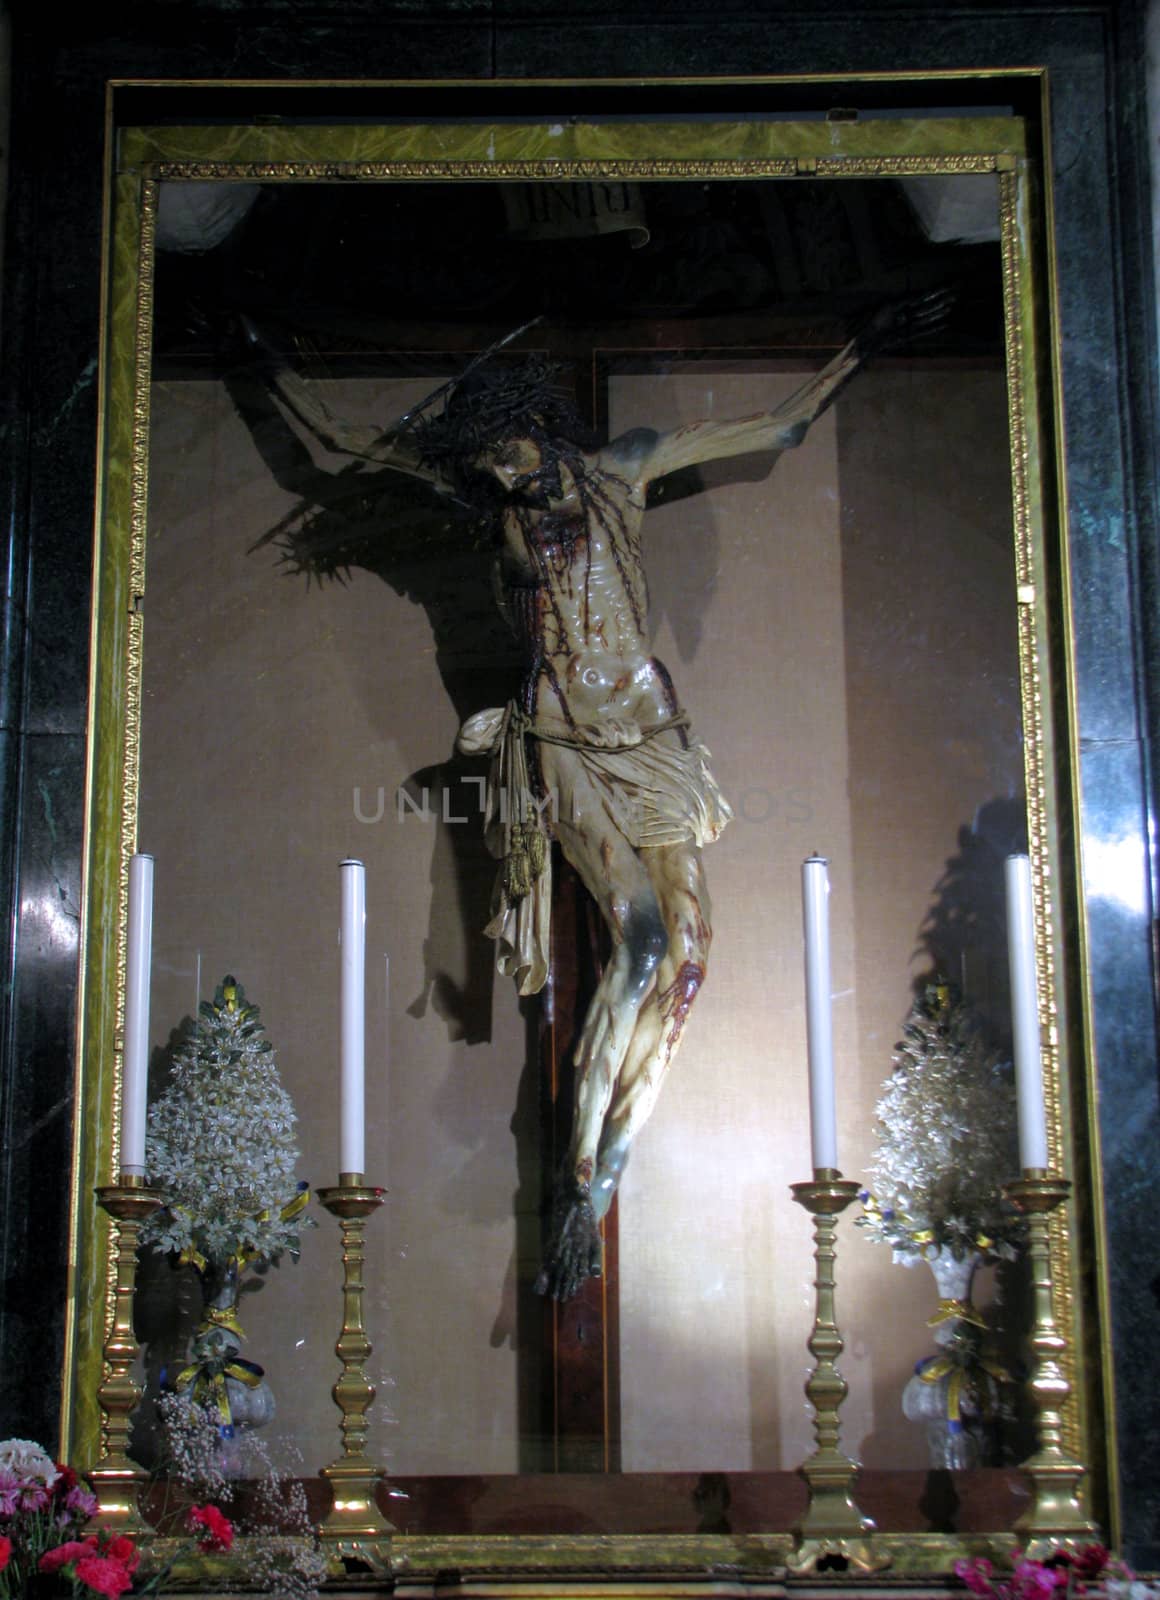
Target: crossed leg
656	906
679	884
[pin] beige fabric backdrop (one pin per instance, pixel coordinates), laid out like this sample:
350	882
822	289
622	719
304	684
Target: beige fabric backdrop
268	702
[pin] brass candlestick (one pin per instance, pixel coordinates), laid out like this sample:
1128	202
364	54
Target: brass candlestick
354	1527
117	1478
1055	1517
832	1529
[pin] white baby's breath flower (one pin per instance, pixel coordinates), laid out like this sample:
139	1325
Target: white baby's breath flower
279	1553
192	1434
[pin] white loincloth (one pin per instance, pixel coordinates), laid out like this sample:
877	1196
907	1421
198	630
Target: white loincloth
654	793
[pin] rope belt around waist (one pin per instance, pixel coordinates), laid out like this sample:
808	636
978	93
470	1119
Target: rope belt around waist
527	842
522	845
576	739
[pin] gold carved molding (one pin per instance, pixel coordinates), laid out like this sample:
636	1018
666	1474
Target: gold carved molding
571	171
152	156
1019	311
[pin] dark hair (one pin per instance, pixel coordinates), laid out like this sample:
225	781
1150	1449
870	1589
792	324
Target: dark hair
496	402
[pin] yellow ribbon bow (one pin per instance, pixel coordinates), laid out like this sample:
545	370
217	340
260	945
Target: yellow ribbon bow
222	1317
960	1379
209	1387
956	1311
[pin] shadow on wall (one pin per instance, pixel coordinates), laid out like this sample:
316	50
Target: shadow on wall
964	934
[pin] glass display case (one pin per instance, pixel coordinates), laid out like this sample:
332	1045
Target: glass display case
863	625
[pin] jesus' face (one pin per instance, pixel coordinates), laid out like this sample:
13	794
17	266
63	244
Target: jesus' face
515	463
530	473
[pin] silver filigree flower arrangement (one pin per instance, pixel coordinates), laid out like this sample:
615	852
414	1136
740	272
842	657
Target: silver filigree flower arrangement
221	1150
221	1144
947	1138
947	1143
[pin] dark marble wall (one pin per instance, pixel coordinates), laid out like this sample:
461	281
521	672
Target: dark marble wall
1095	56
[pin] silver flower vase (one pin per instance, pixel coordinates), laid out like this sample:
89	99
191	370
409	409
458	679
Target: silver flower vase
954	1391
218	1376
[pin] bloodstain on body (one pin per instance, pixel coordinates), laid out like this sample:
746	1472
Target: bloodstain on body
675	1001
549	672
670	698
601	508
699	930
584	1170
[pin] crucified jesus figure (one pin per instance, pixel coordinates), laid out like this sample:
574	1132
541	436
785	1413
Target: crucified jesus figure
594	748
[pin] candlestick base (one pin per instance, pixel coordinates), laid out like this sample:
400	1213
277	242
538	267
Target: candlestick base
833	1557
833	1534
1056	1518
354	1530
116	1478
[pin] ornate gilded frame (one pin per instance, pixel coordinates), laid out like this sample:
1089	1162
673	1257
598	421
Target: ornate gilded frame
144	156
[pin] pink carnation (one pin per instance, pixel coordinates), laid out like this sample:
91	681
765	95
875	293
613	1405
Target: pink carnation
5	1551
103	1574
1033	1581
219	1530
72	1550
123	1549
976	1575
1089	1562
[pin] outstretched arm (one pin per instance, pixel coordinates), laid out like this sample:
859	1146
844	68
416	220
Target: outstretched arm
382	447
654	455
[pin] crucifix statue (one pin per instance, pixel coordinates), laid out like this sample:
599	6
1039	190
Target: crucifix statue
593	748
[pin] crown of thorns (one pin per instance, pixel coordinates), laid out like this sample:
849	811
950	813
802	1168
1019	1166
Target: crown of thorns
493	403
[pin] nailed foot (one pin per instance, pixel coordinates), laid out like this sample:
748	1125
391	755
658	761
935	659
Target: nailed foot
573	1249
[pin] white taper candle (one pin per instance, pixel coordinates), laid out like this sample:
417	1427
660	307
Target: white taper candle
819	1017
1025	1014
352	1136
135	1060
